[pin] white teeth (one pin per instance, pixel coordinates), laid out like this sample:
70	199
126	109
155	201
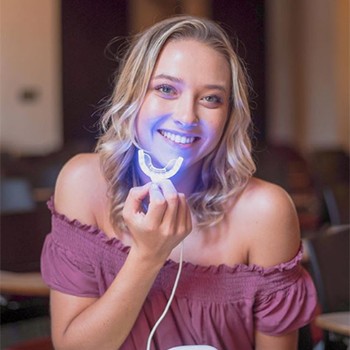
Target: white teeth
177	138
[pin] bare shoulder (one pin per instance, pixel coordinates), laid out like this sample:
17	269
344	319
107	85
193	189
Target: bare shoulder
80	187
267	216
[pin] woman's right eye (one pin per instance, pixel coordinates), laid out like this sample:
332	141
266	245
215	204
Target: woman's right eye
166	90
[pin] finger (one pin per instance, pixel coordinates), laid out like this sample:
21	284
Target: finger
135	197
171	196
155	194
167	188
157	204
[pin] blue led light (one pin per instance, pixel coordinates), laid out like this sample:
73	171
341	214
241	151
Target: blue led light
158	174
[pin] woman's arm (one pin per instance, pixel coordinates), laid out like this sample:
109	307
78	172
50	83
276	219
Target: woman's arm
274	238
284	342
104	323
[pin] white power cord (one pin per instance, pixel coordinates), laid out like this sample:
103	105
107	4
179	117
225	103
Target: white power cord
169	301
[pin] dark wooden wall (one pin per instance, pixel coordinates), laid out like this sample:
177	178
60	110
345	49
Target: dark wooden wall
244	21
88	27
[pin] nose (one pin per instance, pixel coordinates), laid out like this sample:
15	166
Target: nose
185	113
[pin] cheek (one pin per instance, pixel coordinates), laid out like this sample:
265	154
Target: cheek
217	127
150	113
142	126
146	123
144	117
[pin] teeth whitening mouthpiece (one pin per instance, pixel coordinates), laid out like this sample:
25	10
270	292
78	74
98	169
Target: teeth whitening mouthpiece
158	174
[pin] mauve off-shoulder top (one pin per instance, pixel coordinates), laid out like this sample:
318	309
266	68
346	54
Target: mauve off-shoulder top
219	306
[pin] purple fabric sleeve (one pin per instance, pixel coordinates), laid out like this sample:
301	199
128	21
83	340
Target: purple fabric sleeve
288	309
62	271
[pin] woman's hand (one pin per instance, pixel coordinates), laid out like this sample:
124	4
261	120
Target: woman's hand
166	223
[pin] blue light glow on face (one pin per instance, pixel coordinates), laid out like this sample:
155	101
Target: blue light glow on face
158	174
184	112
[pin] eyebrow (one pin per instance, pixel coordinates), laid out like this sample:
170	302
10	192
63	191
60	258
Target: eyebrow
179	80
168	77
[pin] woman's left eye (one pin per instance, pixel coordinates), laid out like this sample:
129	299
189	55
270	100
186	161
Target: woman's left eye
213	99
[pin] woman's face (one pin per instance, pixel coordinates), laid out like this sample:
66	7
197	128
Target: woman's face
186	105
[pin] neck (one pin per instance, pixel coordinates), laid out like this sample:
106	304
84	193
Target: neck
186	181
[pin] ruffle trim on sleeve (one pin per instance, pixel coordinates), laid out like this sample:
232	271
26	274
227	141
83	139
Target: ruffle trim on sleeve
91	230
285	266
283	311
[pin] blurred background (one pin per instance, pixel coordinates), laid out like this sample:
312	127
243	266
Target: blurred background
57	62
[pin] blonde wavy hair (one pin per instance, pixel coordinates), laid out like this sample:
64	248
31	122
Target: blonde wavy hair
225	171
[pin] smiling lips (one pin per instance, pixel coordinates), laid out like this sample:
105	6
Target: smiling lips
184	140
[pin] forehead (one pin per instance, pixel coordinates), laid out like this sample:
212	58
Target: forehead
190	57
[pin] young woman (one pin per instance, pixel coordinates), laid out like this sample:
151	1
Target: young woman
113	254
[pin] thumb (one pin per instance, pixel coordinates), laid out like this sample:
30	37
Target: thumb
157	203
155	193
